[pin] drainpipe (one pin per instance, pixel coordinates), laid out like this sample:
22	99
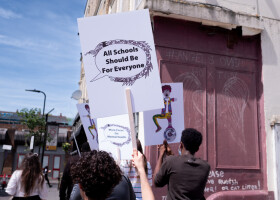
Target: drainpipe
120	5
132	5
276	169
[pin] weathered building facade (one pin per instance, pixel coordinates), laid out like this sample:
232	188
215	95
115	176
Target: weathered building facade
227	54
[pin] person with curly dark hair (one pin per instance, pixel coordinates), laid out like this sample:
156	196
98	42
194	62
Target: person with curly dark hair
28	181
99	177
185	174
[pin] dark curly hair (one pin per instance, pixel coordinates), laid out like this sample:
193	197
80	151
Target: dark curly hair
191	139
97	173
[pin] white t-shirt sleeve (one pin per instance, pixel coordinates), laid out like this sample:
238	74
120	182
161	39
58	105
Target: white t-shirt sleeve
43	191
12	184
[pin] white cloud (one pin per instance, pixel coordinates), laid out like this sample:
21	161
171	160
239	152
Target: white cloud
8	14
29	44
15	42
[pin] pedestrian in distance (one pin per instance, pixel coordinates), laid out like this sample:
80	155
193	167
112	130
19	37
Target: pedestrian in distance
185	175
27	183
46	172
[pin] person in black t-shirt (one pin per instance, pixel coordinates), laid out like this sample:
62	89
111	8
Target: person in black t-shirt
185	175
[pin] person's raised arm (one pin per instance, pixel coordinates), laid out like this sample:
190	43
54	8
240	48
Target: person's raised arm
138	162
163	149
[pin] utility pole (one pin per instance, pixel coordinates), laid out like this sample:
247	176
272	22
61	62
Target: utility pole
45	136
39	91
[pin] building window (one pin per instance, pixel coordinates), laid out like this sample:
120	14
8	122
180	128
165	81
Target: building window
45	161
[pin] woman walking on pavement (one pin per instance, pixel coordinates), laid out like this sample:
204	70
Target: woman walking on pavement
27	183
46	171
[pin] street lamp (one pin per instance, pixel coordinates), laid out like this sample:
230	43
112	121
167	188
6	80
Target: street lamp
39	91
45	136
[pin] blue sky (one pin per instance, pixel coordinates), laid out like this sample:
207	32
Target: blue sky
39	49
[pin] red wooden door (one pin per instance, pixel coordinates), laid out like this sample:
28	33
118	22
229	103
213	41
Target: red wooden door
220	74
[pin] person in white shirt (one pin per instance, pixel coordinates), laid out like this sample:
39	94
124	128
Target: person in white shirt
28	181
138	161
130	171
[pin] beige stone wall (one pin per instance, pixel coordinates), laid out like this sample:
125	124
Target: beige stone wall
102	7
91	7
82	84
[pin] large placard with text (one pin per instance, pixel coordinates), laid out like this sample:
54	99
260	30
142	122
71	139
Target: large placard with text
118	53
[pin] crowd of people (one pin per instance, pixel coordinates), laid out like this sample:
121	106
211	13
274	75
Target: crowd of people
95	175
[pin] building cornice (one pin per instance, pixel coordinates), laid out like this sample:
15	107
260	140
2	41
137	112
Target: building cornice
199	12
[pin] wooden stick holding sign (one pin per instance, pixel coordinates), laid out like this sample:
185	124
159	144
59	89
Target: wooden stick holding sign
131	119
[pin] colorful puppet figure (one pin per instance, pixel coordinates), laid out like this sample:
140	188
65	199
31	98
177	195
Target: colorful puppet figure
166	112
92	124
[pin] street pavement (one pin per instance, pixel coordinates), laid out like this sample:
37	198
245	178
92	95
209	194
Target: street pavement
53	193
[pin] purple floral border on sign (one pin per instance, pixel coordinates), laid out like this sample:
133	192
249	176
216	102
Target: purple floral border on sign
141	44
123	127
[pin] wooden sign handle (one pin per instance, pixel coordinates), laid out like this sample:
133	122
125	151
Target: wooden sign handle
131	119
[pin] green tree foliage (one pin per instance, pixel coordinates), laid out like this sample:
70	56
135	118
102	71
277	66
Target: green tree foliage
66	146
35	123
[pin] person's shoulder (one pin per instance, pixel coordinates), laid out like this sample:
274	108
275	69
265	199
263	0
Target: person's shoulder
172	159
203	163
18	172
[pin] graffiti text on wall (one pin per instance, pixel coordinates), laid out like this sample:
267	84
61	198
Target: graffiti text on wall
217	181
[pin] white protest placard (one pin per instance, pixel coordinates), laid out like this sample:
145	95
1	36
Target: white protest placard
118	53
89	125
115	136
166	123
